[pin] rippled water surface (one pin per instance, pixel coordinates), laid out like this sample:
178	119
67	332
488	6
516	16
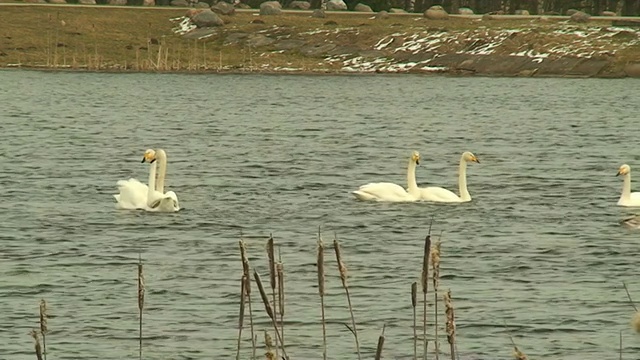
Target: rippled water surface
539	248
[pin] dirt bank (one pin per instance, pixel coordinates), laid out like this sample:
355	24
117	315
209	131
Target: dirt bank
140	39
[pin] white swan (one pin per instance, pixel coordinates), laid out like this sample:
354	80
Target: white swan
627	198
157	199
438	194
386	191
136	195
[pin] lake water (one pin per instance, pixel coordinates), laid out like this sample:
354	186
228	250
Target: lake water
539	248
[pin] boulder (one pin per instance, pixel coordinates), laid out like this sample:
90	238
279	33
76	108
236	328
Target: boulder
465	11
521	12
201	5
270	8
180	3
580	17
487	17
608	13
223	8
571	12
57	1
207	18
632	69
318	13
397	11
241	5
87	2
336	5
149	3
436	12
117	2
300	5
382	15
360	7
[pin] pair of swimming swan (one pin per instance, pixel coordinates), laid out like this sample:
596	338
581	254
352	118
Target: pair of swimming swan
385	191
135	195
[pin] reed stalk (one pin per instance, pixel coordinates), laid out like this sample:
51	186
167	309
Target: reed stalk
620	344
321	280
55	57
380	344
517	354
343	277
414	293
37	347
451	325
425	284
272	277
141	290
247	288
269	344
280	271
241	316
43	325
435	265
268	308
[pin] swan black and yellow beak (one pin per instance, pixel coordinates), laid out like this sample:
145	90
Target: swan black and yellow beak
144	159
618	173
418	162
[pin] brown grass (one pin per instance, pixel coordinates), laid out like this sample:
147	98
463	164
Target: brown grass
342	269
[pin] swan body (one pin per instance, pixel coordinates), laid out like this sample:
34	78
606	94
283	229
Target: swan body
390	192
135	195
438	194
627	198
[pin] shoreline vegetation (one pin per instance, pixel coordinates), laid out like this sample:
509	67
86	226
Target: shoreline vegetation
274	345
109	38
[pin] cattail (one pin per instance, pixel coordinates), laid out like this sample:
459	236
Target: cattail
37	346
43	325
343	277
140	303
435	265
320	265
380	344
517	354
269	344
425	284
241	316
267	306
414	300
272	277
280	271
247	291
451	325
635	322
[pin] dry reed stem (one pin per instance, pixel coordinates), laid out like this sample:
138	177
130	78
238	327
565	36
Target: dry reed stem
451	325
414	300
37	347
269	344
43	325
321	280
241	316
272	278
141	290
435	264
280	271
267	307
425	284
343	277
629	296
380	344
247	288
620	344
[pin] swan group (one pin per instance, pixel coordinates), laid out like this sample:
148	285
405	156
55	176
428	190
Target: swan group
391	192
134	195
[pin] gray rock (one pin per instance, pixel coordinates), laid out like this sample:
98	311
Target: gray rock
317	50
242	6
201	5
571	12
318	13
87	2
257	40
465	11
289	44
117	2
336	5
207	18
269	9
580	17
487	17
300	5
397	11
360	7
57	1
632	69
181	3
608	13
522	12
436	12
223	8
149	3
382	15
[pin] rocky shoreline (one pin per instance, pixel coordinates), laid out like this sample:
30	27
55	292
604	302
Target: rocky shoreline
335	43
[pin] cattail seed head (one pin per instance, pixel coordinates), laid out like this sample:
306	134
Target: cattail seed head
320	265
635	322
341	267
414	294
425	264
451	325
263	295
43	316
141	287
272	263
435	264
280	271
245	267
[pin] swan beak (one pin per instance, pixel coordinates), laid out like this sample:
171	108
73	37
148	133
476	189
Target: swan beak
475	159
618	173
418	162
142	159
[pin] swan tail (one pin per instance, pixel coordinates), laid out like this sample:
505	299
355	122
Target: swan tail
361	195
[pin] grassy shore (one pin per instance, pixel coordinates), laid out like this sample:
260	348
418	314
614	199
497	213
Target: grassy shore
109	38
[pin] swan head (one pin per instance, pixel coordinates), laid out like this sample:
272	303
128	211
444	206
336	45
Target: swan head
624	170
415	157
469	157
149	155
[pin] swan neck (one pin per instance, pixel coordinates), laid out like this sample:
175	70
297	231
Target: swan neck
152	180
411	178
161	157
626	187
462	180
